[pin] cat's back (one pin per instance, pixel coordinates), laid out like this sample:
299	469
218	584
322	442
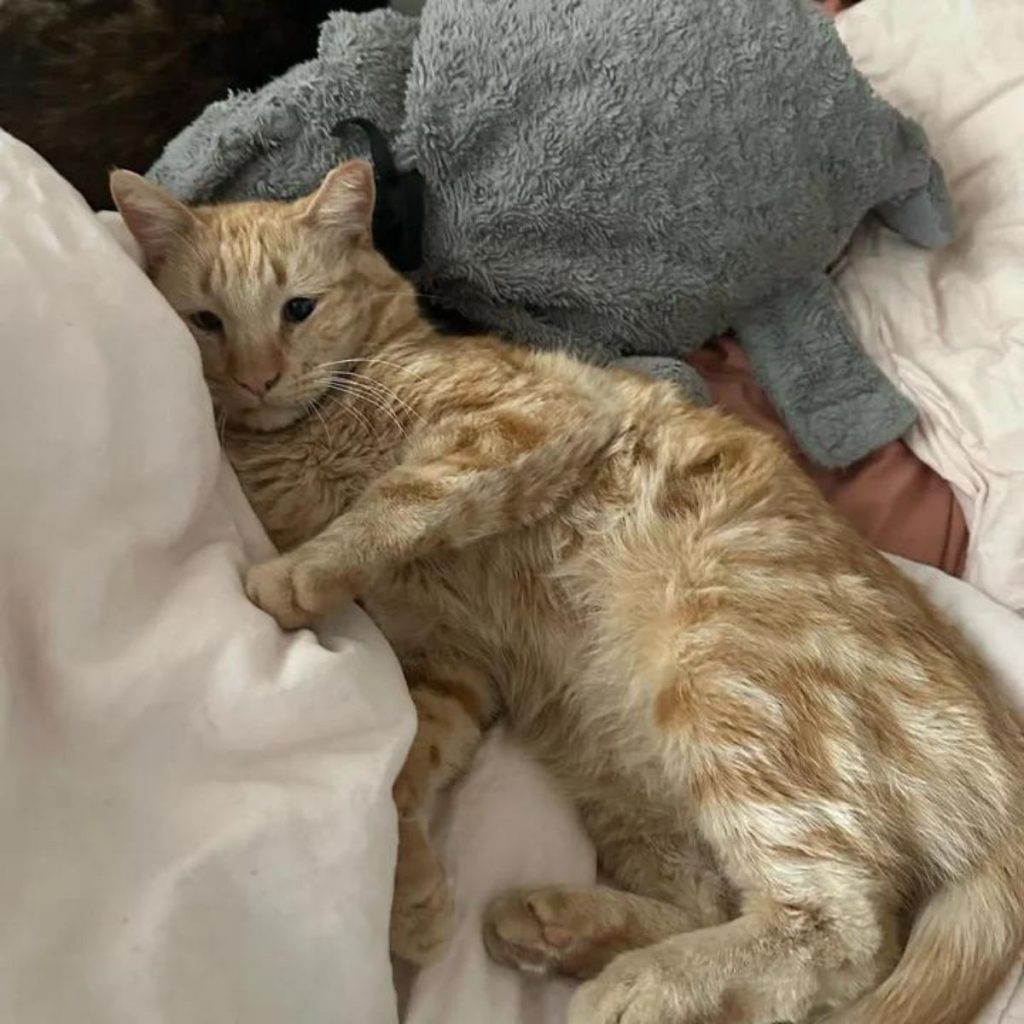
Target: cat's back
749	616
694	592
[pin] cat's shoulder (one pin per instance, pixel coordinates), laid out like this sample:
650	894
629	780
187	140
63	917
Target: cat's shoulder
482	371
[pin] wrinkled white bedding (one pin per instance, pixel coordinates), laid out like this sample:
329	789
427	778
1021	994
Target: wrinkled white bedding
948	325
196	823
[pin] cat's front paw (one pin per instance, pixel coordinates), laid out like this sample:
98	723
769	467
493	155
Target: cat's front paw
294	590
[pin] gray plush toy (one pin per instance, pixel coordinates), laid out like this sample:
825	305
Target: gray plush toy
622	180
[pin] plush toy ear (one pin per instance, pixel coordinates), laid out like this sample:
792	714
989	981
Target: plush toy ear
153	216
344	200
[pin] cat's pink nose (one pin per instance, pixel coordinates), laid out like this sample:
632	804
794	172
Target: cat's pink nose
257	384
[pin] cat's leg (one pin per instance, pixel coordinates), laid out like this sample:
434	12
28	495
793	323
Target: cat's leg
453	708
422	910
665	884
575	930
468	477
774	962
812	928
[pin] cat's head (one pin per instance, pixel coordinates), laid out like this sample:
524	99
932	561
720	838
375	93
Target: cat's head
277	295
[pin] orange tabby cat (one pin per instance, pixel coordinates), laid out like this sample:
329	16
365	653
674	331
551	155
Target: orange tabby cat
797	774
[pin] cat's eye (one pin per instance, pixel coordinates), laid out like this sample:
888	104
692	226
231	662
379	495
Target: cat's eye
298	309
206	321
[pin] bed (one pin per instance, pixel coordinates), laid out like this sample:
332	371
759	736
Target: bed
195	814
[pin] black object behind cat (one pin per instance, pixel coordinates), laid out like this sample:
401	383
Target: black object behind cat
91	83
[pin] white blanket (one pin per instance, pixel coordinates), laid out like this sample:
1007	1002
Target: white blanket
196	823
948	325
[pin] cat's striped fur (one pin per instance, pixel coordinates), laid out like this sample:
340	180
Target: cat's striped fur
798	776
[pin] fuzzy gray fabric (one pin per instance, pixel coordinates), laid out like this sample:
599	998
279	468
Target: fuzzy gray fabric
621	180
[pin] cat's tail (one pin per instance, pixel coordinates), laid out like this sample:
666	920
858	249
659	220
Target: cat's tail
963	942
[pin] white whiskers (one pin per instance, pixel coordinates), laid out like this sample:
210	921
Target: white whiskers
355	387
311	406
340	377
370	361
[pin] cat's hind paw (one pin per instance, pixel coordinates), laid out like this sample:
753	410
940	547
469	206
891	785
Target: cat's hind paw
560	929
423	911
524	929
635	989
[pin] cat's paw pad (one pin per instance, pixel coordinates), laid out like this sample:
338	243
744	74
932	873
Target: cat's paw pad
294	591
540	930
423	911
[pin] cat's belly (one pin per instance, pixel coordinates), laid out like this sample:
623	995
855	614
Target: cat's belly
523	649
535	650
515	630
572	712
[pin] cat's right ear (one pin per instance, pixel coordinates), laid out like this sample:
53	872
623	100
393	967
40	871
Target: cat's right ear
151	214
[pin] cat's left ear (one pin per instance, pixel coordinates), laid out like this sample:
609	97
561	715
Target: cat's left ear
153	216
345	200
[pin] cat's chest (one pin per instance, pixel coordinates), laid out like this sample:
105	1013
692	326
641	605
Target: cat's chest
299	483
499	602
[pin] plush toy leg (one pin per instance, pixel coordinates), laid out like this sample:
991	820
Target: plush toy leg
835	401
924	216
681	374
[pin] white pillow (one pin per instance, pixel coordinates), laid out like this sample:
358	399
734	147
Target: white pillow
948	325
196	821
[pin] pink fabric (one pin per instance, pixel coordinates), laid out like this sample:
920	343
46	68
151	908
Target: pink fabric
891	497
